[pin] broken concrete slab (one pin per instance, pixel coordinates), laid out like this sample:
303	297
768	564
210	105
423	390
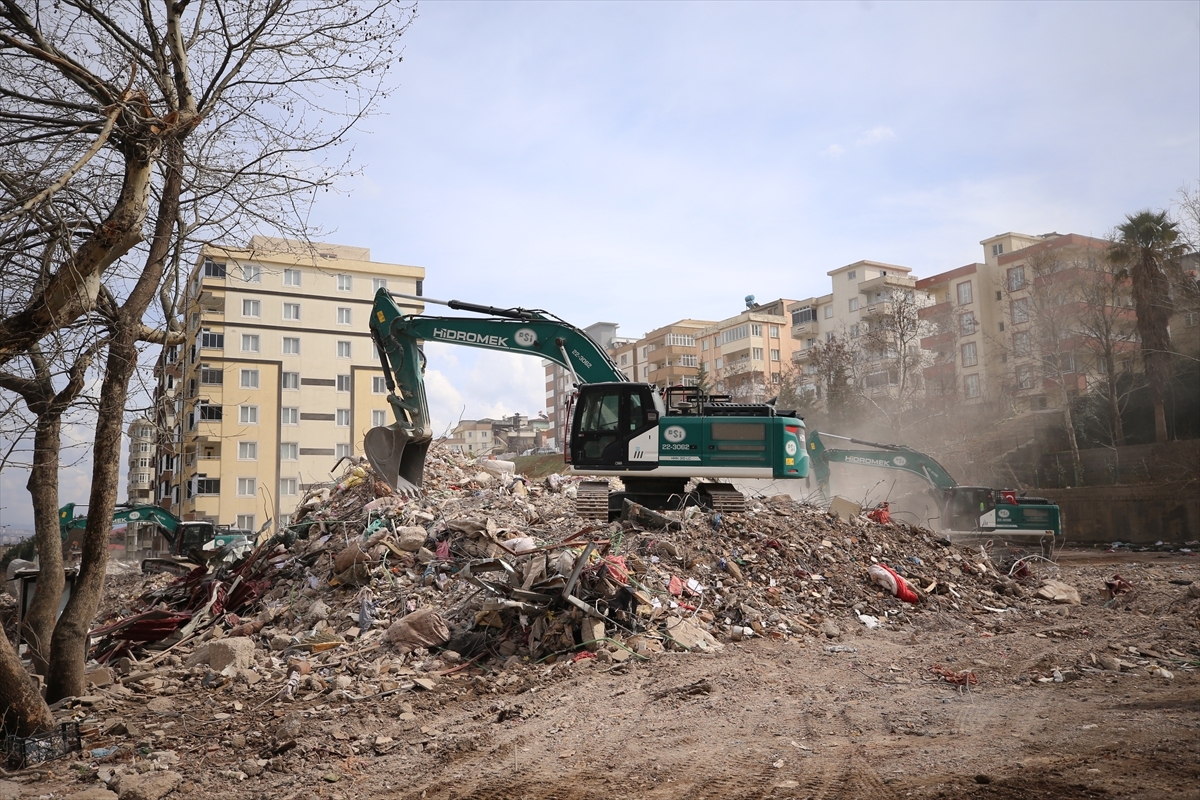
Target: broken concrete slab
236	651
148	786
692	636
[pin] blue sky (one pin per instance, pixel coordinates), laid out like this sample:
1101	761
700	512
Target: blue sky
642	162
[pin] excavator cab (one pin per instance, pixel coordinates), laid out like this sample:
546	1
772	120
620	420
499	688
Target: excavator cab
965	505
606	417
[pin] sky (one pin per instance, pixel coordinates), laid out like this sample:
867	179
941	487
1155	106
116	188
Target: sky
639	163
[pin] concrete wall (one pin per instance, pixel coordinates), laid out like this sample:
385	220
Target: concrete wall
1131	514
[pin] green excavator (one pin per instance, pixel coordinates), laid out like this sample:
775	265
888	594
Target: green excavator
655	441
962	512
188	540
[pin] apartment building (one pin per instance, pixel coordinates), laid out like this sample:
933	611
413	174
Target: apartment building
1009	328
670	355
472	437
139	480
747	354
862	293
560	384
278	378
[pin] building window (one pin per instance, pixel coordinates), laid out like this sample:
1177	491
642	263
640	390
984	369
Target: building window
1191	319
208	486
288	486
689	361
210	376
210	340
248	415
249	379
250	343
342	451
289	416
251	308
291	311
291	345
247	451
343	349
1021	343
345	315
246	522
378	385
1016	279
756	353
208	413
810	342
756	330
291	277
377	284
289	451
343	283
343	418
803	315
703	346
965	296
343	383
829	337
966	323
1024	377
213	269
774	331
247	487
1020	310
970	355
852	274
775	355
734	334
679	340
997	249
828	312
252	273
854	304
291	380
971	386
854	331
378	419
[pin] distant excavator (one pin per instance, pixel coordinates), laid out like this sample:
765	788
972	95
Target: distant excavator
188	540
654	441
963	511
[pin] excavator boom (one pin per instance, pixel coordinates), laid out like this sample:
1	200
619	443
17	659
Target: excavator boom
398	451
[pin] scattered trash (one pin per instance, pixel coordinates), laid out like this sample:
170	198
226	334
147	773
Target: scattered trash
960	678
1117	585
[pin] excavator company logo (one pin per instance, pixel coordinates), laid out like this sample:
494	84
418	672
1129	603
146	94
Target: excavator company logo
525	337
899	461
674	434
135	515
790	448
449	334
869	462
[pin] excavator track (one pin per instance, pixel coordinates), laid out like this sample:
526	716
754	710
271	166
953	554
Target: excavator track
591	500
722	498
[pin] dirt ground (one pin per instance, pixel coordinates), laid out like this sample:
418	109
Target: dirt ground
862	716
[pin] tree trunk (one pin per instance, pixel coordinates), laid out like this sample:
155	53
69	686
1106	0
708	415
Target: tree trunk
24	710
69	645
1114	408
1069	422
38	624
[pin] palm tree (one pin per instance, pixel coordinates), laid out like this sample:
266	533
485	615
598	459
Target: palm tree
1146	246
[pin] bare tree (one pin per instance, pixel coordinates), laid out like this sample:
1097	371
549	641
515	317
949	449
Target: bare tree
891	333
216	117
1108	330
837	370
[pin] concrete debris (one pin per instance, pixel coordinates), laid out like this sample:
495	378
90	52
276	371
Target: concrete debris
1059	592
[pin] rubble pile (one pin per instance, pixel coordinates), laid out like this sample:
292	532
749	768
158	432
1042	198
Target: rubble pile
489	568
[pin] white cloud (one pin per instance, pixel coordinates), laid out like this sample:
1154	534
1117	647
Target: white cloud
876	135
833	151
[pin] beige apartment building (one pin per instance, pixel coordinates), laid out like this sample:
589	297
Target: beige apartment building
278	378
670	355
139	479
860	292
747	354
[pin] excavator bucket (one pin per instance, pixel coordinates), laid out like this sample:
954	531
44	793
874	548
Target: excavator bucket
398	456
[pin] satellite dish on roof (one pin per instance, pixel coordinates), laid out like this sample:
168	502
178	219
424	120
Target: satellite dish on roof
749	301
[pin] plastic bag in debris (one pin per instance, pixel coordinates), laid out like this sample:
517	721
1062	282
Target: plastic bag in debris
422	628
886	577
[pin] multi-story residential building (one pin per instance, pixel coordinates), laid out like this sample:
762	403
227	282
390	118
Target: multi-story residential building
472	437
670	355
863	295
747	354
1011	328
278	378
559	383
139	481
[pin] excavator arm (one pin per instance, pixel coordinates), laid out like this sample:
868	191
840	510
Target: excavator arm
888	456
398	451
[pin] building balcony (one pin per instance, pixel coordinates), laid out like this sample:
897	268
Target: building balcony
935	311
877	284
804	330
745	365
211	303
937	340
938	370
